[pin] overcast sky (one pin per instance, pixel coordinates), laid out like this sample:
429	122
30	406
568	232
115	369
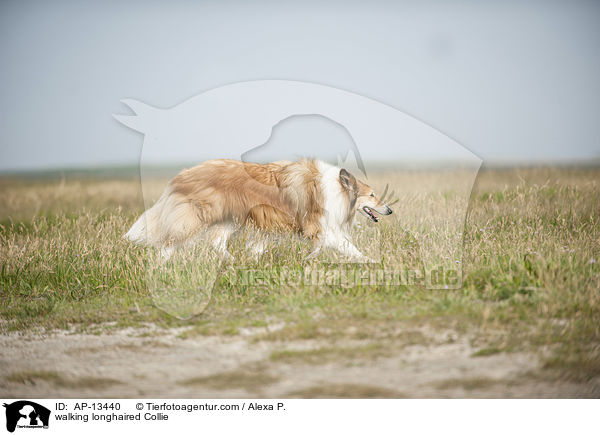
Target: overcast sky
508	80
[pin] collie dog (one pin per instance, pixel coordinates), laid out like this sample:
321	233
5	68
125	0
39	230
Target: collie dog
309	197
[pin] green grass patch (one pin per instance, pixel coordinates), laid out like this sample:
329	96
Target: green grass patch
487	351
474	383
252	379
34	377
324	355
346	391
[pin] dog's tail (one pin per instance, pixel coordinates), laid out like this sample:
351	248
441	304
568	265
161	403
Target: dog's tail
170	221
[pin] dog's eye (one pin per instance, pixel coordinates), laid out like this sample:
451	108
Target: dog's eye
372	194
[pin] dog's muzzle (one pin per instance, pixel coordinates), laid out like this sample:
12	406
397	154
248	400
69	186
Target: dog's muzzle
370	212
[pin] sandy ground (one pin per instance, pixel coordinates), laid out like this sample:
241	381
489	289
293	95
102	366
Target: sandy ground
150	363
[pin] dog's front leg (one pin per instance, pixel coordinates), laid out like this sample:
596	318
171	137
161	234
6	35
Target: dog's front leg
315	252
344	246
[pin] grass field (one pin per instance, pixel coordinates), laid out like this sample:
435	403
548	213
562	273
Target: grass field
530	264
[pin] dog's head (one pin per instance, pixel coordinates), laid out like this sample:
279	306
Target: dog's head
362	197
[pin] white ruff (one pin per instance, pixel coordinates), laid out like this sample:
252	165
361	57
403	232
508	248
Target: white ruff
335	225
334	204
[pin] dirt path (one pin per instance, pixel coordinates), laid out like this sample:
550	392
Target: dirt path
138	362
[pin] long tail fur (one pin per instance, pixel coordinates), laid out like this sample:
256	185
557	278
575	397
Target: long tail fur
170	221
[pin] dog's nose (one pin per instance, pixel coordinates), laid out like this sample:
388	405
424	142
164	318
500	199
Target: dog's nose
389	210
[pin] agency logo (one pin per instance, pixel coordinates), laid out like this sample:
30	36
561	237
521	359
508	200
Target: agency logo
25	414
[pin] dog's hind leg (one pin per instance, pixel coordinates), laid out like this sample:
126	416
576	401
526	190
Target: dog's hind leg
256	248
257	244
219	234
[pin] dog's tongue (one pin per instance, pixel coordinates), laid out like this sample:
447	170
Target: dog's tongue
373	217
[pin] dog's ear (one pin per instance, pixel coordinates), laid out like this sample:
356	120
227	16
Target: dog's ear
348	181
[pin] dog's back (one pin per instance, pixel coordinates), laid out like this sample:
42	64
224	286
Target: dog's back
275	196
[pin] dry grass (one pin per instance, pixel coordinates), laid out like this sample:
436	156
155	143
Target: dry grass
346	391
529	259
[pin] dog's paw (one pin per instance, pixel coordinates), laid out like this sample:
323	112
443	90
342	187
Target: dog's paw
226	256
363	259
313	254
